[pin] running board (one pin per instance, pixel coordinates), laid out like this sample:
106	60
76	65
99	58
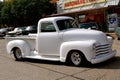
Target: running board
43	58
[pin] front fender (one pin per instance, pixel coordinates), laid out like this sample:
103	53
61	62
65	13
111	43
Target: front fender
86	47
24	47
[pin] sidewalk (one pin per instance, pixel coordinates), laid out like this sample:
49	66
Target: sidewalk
112	34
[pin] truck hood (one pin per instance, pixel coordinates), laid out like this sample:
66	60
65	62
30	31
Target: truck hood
84	34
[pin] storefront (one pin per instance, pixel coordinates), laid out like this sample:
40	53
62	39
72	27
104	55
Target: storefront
103	12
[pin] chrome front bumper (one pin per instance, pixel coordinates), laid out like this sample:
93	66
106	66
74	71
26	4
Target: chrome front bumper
103	57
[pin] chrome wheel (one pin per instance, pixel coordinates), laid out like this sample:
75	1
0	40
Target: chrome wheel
76	58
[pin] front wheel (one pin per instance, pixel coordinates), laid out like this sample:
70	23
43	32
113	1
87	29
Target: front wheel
75	58
17	54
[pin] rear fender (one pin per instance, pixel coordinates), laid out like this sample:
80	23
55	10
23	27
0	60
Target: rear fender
21	44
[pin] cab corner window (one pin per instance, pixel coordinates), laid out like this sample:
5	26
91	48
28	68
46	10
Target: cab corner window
47	27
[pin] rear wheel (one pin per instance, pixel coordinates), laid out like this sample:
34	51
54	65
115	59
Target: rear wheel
17	54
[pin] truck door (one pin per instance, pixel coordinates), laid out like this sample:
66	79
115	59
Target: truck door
48	40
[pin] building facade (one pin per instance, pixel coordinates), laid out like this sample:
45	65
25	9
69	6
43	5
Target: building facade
75	5
104	12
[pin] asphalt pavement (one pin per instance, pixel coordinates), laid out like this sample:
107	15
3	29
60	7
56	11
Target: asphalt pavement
49	70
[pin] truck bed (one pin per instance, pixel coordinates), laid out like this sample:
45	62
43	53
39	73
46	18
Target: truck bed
30	39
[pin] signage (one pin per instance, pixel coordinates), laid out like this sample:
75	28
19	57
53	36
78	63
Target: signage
112	20
77	3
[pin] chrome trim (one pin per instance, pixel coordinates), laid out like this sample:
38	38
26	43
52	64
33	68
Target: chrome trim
103	49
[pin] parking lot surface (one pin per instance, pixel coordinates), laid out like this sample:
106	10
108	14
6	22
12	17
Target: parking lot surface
47	70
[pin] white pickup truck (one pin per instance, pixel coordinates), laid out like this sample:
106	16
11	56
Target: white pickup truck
59	39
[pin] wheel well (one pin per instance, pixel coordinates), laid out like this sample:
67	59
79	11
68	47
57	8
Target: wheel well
69	53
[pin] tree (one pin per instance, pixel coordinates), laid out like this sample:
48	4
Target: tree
1	5
25	12
6	13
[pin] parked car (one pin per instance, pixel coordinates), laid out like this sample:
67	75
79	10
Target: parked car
3	31
90	25
16	31
30	29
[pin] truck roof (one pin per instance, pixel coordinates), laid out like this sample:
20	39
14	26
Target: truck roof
55	18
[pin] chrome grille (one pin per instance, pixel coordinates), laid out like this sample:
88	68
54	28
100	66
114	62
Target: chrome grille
103	49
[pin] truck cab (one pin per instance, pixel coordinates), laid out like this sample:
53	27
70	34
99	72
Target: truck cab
51	32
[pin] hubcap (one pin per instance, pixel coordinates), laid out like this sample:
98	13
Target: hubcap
76	58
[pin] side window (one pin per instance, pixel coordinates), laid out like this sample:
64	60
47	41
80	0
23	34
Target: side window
47	27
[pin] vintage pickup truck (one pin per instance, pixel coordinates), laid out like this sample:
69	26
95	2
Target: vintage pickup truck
59	39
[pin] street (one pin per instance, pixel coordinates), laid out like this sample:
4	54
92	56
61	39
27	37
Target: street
49	70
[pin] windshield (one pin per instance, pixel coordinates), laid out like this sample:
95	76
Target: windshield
3	29
66	24
33	27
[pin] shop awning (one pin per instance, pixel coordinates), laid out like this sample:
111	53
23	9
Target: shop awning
86	11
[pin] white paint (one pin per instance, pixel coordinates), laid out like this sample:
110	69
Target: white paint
56	45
